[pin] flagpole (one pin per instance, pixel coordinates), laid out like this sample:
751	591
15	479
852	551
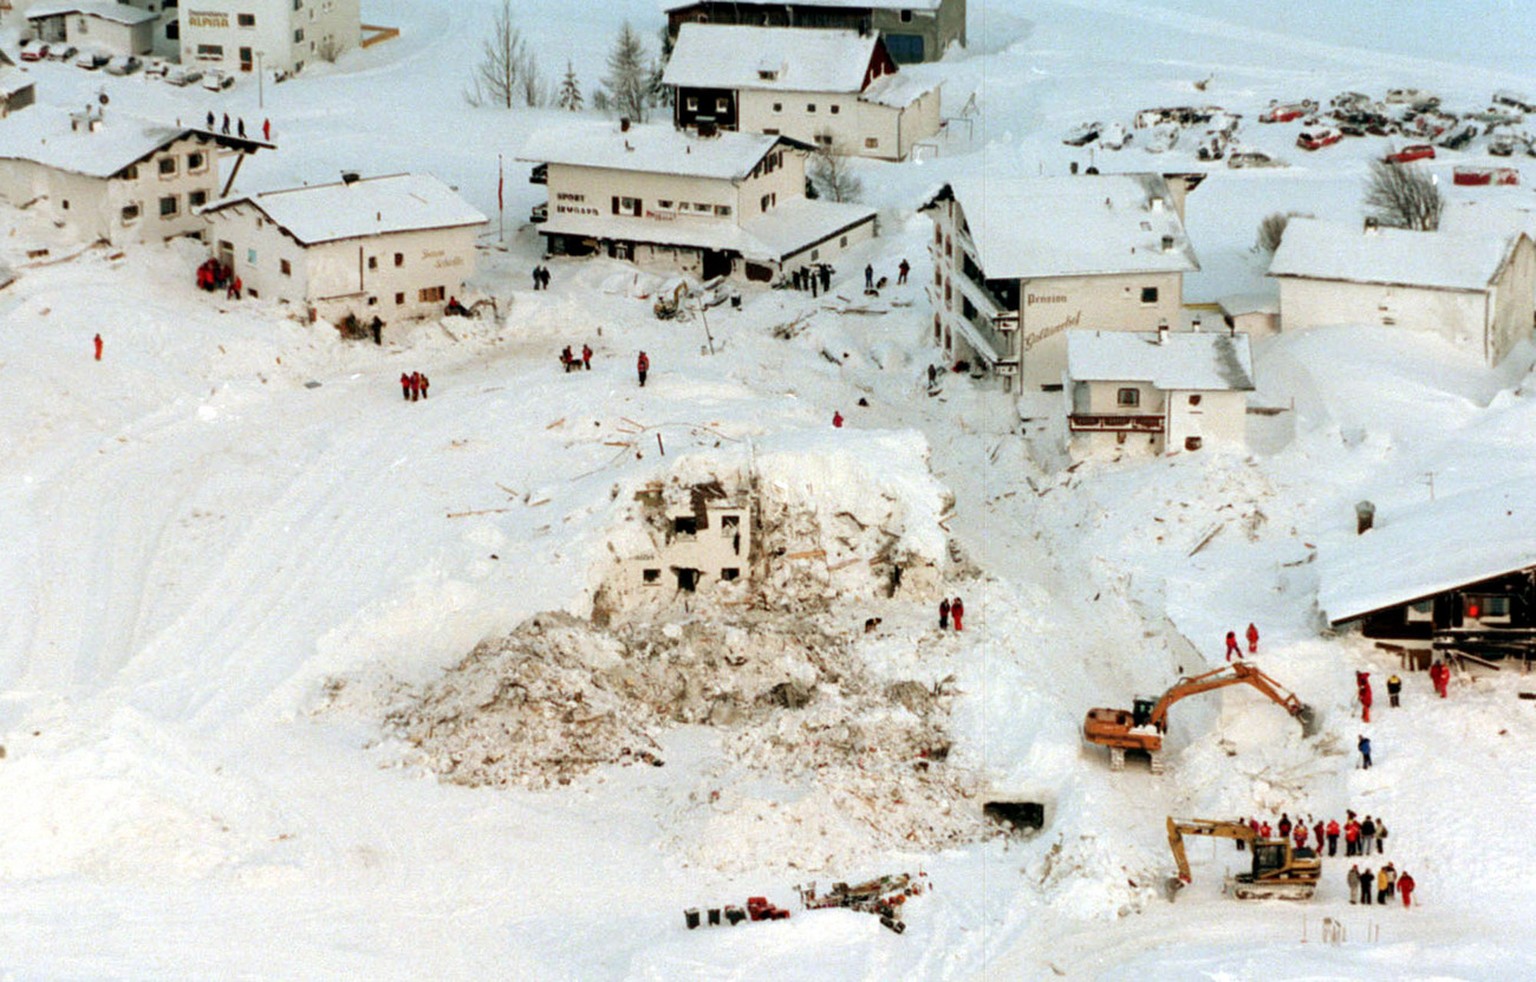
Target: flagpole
501	211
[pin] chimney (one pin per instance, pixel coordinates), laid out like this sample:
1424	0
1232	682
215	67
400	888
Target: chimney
1167	243
624	124
1162	330
1072	167
1365	517
1194	325
1157	203
1231	328
350	177
1372	226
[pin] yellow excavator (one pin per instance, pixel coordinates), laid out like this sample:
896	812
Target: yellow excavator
1142	727
1279	871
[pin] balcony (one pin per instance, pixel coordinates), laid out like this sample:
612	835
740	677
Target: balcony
539	174
1095	423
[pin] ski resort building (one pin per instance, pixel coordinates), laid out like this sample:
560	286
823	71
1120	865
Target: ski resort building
835	89
913	30
1159	392
277	35
115	28
1453	575
393	247
732	204
1477	289
109	176
1020	262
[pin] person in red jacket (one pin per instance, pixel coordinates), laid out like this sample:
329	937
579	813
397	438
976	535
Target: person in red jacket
837	419
643	367
1405	887
1363	681
97	342
957	611
405	387
1253	639
1232	648
1352	838
1333	836
586	357
1300	835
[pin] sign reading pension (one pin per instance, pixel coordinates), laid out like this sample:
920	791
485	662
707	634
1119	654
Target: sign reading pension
205	18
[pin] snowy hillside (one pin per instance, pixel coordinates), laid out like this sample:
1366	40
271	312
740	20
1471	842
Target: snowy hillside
260	610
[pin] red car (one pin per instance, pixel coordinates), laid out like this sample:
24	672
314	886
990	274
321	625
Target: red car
1410	153
1283	113
1318	137
36	51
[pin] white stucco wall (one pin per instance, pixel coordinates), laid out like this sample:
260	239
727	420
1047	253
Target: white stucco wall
1218	418
851	121
1457	316
1049	307
1514	304
287	38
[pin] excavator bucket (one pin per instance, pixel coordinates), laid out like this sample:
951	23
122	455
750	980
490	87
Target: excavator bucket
1309	721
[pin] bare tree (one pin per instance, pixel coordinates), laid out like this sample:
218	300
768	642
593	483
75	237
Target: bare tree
628	75
531	80
1403	196
1271	231
504	55
829	172
570	90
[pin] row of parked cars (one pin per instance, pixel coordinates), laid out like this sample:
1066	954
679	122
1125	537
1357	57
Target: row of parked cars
91	60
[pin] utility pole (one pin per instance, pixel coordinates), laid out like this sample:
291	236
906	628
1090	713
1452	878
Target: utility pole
261	95
1429	479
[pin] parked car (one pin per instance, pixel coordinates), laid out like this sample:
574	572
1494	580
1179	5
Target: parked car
1458	139
1284	112
184	76
1411	97
216	79
1410	153
1505	144
1162	137
156	68
1481	176
65	53
91	60
1083	134
1114	137
1318	137
124	65
1252	158
1515	100
33	51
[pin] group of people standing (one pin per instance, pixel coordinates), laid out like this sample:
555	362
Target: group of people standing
1360	838
1386	882
266	127
413	386
573	362
1233	651
817	278
214	275
541	277
951	609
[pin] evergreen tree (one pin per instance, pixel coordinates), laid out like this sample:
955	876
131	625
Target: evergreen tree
628	75
570	90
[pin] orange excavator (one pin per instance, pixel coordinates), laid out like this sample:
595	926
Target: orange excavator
1142	727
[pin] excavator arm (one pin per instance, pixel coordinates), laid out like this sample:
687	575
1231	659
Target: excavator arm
1177	830
1237	673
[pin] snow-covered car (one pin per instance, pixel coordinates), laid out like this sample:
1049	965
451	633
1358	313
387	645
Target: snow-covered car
1082	134
216	79
1162	138
91	60
1410	153
33	51
183	76
1114	137
124	65
156	68
1252	158
1213	145
1505	144
1514	100
1459	138
1318	137
1410	97
65	52
1285	112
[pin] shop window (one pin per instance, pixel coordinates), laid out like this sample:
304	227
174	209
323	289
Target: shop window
1128	398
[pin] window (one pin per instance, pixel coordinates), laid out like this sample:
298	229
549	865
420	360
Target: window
815	254
834	109
722	105
399	299
399	259
665	204
1487	607
1194	400
626	206
84	26
778	107
131	172
298	4
843	242
169	206
298	35
432	294
810	107
691	103
938	277
1149	294
1128	398
722	210
245	20
703	209
823	139
210	52
729	525
685	525
906	16
652	576
767	201
196	199
197	162
729	573
130	213
871	142
173	30
1192	443
167	166
937	329
285	266
770	131
373	262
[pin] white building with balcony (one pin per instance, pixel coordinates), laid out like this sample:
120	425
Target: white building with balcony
276	35
1156	392
732	204
1018	262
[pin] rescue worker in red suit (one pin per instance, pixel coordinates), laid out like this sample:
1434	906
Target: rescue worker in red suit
1363	680
1253	639
1232	648
1405	886
957	611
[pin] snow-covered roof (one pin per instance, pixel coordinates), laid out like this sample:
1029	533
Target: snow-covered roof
1438	546
48	135
120	13
791	59
1250	303
370	206
900	89
1072	226
651	149
13	82
1209	361
671	5
1464	260
781	232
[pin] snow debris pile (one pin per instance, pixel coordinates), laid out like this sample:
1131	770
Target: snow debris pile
860	760
1082	877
